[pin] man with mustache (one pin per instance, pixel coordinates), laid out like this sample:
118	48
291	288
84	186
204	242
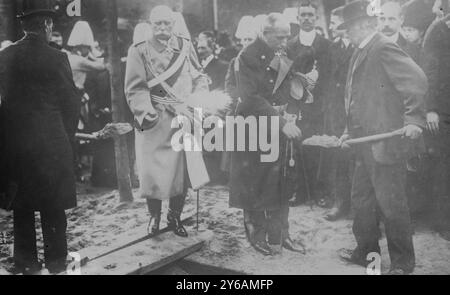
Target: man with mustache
385	91
256	187
390	21
308	40
161	71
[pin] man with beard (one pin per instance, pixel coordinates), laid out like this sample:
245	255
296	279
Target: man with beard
385	91
308	40
161	72
216	71
215	68
256	186
390	22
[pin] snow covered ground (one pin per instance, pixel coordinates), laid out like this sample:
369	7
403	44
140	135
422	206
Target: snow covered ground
100	221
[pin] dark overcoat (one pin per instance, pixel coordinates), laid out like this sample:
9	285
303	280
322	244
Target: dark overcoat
216	71
256	185
334	104
387	94
412	49
40	109
321	47
437	67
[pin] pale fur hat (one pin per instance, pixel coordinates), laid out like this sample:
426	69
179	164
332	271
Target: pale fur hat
81	35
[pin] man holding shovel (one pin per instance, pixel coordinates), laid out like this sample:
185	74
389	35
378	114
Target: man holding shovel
384	92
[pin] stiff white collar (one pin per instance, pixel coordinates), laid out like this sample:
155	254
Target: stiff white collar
307	38
367	40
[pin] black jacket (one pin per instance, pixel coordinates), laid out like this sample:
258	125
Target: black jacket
334	102
321	47
40	108
216	71
437	67
412	49
256	185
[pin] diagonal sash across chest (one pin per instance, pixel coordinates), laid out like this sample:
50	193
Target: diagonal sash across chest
171	73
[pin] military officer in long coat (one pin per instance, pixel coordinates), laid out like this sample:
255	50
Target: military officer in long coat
39	115
172	62
256	186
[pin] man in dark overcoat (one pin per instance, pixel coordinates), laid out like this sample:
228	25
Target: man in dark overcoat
385	91
256	185
437	68
39	113
335	167
309	40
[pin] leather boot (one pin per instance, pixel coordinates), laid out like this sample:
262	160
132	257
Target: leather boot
153	224
174	223
154	208
290	245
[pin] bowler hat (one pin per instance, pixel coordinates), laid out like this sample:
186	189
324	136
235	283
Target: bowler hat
36	7
354	11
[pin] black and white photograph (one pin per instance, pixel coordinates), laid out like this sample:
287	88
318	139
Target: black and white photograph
224	138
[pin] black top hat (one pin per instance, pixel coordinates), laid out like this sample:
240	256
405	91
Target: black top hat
355	11
36	7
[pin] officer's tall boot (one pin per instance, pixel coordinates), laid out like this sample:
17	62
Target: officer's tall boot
176	205
154	208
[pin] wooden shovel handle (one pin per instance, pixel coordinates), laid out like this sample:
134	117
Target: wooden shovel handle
374	138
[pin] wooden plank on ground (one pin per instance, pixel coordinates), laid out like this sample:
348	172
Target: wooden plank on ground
146	256
122	241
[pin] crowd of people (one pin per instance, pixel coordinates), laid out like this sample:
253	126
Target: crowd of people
375	70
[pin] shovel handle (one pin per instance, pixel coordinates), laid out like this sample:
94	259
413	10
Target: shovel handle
374	138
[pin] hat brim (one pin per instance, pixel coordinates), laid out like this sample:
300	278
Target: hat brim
45	12
346	25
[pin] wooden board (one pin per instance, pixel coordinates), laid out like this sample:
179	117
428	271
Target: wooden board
145	256
122	241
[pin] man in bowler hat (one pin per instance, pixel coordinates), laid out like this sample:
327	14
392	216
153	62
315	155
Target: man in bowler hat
385	91
39	111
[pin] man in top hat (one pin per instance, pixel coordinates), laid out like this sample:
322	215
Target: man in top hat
335	166
262	74
305	41
385	91
437	68
418	16
161	72
390	20
39	112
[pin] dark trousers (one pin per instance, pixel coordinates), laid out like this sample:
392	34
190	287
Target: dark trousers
436	175
176	205
255	224
278	225
335	177
380	189
268	226
54	225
